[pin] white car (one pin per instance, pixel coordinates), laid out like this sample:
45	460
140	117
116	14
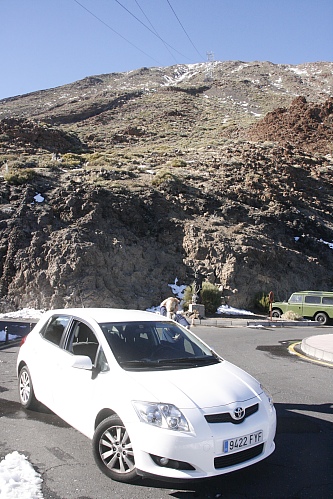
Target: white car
155	400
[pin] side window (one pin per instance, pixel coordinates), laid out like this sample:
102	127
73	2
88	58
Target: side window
54	329
327	300
296	299
313	299
82	340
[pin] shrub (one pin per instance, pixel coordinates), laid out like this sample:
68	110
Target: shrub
71	160
261	302
19	177
178	163
291	316
210	297
164	177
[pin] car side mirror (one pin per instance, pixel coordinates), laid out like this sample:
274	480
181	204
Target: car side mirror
82	362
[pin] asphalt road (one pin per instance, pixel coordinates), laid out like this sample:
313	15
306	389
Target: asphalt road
301	466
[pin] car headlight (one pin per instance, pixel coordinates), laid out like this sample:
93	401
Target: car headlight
161	415
268	395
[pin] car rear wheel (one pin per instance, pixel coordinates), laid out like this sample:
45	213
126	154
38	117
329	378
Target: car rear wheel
26	391
113	451
321	317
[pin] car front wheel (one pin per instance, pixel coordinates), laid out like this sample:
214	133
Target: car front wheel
26	391
276	313
113	451
321	317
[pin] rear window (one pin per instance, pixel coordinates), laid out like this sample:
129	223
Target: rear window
313	299
55	328
327	300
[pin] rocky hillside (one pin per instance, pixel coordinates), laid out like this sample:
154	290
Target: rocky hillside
115	185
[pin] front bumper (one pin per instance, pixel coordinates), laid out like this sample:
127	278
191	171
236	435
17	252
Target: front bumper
168	454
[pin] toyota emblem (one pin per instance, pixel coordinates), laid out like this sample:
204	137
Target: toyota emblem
239	413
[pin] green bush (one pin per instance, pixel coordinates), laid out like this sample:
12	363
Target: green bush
178	163
19	177
261	302
210	297
71	160
164	177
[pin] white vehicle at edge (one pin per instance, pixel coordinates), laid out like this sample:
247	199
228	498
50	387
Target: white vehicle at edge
154	399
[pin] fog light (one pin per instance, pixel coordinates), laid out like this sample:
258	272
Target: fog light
164	461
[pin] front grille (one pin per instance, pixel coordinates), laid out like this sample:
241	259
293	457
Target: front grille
225	417
238	457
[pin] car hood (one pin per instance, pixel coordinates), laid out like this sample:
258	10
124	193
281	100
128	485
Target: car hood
205	387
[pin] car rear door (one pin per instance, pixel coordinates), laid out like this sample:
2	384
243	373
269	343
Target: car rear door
47	356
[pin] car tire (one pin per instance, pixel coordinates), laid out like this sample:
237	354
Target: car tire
321	317
26	390
276	313
113	451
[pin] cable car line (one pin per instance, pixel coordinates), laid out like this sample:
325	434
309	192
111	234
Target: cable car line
114	31
153	27
147	27
184	28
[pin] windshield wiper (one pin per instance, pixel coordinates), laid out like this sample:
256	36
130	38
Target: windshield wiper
209	359
139	363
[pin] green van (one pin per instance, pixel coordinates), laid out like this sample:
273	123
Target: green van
317	305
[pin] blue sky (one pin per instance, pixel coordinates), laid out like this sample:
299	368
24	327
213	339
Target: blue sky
48	43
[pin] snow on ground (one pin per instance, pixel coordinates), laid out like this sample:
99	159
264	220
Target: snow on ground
225	309
24	313
18	479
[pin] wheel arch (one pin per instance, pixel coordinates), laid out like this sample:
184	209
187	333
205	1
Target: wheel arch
20	365
103	414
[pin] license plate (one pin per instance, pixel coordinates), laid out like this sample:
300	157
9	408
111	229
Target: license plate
239	443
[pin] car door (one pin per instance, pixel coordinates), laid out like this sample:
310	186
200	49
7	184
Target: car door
295	303
47	355
77	393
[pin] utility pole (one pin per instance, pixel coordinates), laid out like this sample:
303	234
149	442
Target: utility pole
209	67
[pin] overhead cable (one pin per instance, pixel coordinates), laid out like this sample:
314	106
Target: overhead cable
184	29
147	27
114	31
153	27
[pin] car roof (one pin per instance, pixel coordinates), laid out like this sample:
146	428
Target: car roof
313	293
102	315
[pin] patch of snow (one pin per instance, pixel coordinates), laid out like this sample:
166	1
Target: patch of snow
225	309
178	290
330	245
25	313
18	479
38	198
298	71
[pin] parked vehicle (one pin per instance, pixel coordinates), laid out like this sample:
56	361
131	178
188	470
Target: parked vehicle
317	305
154	399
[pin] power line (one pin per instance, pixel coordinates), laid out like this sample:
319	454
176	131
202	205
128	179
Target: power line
166	46
147	27
184	29
114	31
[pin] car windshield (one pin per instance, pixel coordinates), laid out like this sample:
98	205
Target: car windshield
156	345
